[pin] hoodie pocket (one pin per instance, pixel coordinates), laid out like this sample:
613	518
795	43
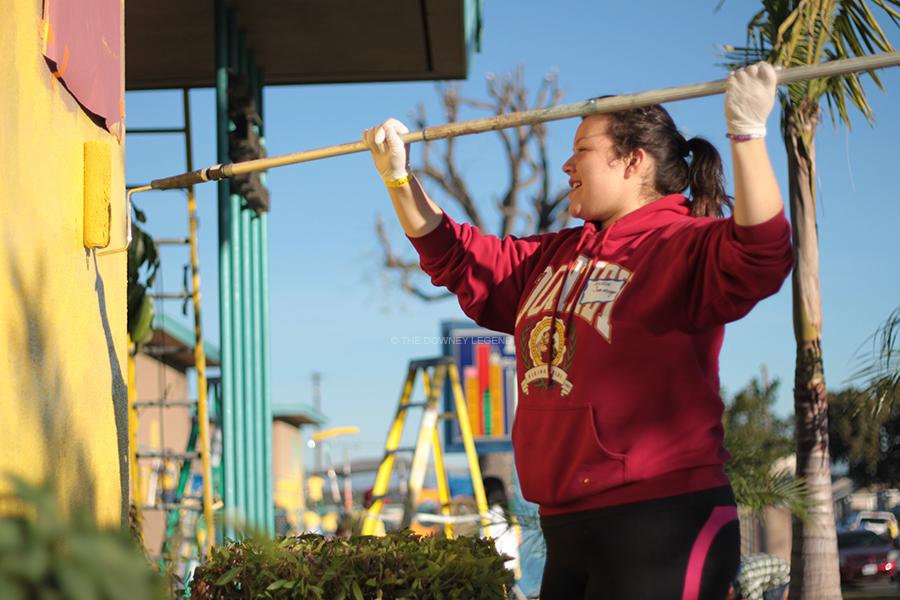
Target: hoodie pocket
559	456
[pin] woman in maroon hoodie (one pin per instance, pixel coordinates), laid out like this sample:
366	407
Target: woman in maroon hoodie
618	324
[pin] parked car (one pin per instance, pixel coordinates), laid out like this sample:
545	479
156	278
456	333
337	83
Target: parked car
865	555
880	522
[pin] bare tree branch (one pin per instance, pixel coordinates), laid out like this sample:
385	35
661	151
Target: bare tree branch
447	174
391	260
422	295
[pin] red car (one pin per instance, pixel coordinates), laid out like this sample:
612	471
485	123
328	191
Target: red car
865	555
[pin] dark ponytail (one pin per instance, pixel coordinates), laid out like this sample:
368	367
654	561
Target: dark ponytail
680	163
706	180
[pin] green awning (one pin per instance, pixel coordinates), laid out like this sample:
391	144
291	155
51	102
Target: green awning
173	344
297	414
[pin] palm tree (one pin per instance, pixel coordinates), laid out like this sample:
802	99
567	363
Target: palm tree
790	33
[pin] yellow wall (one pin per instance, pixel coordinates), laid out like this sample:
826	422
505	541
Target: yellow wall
62	309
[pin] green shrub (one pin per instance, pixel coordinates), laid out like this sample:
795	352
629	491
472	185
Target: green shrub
400	565
43	555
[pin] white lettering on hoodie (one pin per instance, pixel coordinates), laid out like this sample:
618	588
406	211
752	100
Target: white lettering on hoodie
596	296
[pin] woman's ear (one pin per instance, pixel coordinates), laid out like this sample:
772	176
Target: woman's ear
636	163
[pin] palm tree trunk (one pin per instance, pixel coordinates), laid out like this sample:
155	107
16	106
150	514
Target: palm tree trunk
814	559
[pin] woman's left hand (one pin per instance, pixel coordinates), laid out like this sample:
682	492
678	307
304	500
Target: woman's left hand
749	98
390	154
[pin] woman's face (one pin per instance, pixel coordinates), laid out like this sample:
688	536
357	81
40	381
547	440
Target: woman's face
602	185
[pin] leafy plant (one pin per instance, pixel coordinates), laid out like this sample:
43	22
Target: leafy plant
756	490
143	264
757	440
44	555
399	565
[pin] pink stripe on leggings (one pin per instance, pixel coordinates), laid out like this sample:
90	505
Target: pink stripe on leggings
721	516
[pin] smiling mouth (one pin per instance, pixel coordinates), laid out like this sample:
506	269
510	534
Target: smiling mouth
575	185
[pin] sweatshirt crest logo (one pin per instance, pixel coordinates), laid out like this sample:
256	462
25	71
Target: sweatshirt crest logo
539	371
588	289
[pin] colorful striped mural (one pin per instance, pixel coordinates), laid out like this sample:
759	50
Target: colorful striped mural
489	386
487	368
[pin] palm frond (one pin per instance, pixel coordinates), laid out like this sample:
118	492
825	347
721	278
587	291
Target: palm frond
737	57
791	33
779	489
880	372
887	6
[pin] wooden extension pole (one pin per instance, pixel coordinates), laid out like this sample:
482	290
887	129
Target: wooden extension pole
530	117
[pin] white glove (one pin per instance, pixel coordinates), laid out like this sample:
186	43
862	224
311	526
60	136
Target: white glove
390	155
749	97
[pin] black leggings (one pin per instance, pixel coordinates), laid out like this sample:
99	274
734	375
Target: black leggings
683	547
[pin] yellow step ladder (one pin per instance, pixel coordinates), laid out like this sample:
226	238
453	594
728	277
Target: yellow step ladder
434	371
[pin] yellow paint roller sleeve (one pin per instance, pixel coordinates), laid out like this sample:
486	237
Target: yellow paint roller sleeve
97	192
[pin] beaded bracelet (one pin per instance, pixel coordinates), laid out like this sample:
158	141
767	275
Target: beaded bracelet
743	137
397	183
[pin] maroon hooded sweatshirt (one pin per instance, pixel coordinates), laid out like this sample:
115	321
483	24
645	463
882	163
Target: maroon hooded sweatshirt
624	404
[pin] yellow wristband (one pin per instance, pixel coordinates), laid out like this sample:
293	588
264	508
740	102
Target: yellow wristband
397	183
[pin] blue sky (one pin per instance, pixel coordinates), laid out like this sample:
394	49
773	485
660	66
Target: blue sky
331	310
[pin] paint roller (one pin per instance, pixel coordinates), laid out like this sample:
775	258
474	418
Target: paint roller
517	119
97	193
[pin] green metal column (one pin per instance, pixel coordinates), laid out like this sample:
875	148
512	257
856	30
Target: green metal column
266	379
243	280
252	411
225	250
262	257
266	367
259	431
237	323
251	414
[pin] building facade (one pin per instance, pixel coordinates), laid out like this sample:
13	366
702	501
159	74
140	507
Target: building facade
62	306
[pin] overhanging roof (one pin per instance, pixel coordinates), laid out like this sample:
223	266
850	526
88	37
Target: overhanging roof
173	344
171	43
297	414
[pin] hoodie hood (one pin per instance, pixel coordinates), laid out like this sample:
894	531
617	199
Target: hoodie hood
638	223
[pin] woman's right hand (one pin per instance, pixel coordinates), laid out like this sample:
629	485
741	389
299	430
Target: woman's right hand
389	153
749	98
